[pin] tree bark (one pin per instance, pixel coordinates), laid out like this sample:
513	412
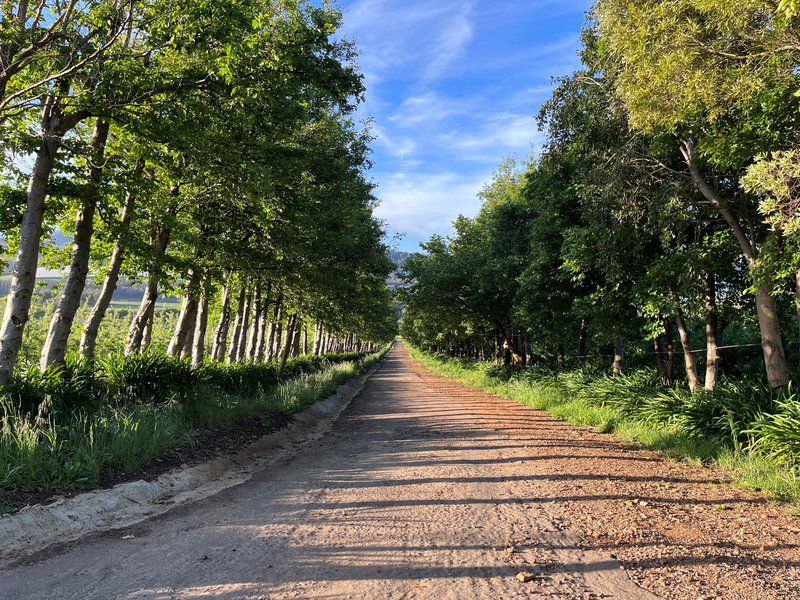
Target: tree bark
248	309
233	348
771	341
221	332
147	334
133	342
619	355
188	340
276	350
262	328
185	324
688	355
252	339
18	303
55	346
318	337
287	346
92	326
199	338
712	360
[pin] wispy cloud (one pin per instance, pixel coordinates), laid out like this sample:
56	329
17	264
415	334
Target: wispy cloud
429	109
453	86
452	42
420	204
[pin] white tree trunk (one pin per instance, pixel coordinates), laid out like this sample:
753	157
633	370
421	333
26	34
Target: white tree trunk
233	348
92	326
221	333
55	345
199	339
185	323
18	302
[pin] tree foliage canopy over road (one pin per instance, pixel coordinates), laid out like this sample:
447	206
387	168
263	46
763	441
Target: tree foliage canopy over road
664	201
205	148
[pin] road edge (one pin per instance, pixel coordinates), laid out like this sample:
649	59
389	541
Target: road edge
37	527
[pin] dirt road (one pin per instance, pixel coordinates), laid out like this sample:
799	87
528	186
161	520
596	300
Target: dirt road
424	489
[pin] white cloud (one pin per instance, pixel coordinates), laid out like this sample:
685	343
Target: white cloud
452	42
429	34
500	134
429	109
452	87
421	204
398	146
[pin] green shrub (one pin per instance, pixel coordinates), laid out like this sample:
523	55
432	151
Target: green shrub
158	404
73	385
145	378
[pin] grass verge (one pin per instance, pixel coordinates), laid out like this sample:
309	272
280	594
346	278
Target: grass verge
74	451
747	464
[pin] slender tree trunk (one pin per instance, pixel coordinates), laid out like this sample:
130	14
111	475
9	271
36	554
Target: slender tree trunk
582	337
133	342
276	350
191	325
185	324
287	346
262	327
252	338
26	261
318	338
669	345
199	338
248	309
233	348
273	328
268	353
712	361
771	342
92	326
147	334
618	366
688	355
305	339
55	345
221	332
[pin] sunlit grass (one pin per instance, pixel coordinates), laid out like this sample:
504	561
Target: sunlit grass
74	451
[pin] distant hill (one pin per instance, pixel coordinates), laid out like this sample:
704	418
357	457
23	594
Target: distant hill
126	292
399	258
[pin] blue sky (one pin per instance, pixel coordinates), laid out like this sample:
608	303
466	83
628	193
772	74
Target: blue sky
452	88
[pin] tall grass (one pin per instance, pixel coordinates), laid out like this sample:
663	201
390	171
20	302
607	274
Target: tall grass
75	449
742	426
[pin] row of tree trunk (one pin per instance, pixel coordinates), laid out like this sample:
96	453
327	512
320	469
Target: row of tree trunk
260	329
516	349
